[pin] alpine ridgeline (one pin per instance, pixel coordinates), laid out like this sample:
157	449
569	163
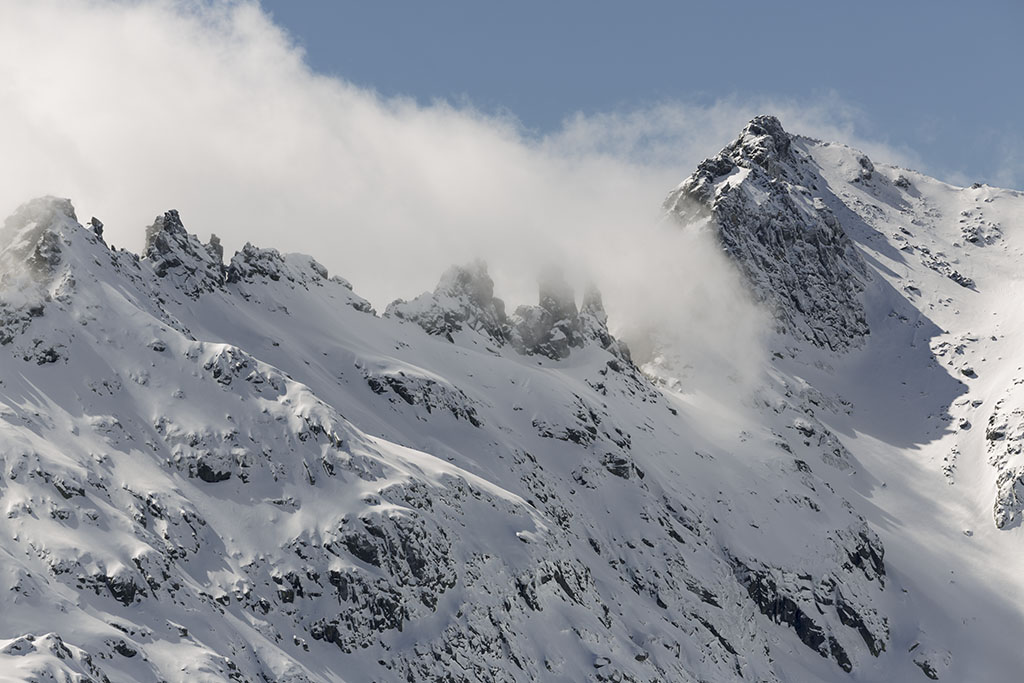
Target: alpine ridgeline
239	471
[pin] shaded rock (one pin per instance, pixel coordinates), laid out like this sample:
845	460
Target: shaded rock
463	300
788	244
551	328
177	254
215	248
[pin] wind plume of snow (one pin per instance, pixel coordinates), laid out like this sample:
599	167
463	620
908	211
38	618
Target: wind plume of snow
132	108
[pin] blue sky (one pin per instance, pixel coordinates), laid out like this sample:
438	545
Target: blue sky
940	78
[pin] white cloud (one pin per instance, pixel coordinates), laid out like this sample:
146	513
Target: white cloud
131	108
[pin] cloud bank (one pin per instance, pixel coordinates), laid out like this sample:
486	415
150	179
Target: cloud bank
132	108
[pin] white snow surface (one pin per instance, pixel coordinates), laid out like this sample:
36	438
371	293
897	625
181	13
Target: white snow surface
241	472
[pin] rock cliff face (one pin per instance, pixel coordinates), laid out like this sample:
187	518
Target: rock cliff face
771	211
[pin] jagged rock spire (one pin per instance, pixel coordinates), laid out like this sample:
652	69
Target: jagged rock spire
175	252
463	299
555	326
594	323
215	248
552	327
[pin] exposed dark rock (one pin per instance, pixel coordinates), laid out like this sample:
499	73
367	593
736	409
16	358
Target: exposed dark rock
463	299
210	475
30	234
849	617
864	551
791	249
176	253
618	465
551	328
427	393
123	589
961	279
783	606
927	669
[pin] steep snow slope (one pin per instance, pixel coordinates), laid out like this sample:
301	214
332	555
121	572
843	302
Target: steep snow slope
240	472
937	418
925	398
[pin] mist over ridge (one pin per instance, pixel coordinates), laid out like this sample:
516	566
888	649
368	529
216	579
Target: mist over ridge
303	383
210	109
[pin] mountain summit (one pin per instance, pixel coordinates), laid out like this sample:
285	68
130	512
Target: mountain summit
772	212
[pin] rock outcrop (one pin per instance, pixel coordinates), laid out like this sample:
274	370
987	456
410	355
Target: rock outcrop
174	252
555	326
463	300
771	213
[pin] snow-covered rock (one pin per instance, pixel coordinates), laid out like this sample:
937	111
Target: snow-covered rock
463	299
174	253
236	470
554	327
771	211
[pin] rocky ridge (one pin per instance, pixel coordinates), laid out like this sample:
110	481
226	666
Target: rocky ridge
160	432
238	471
765	202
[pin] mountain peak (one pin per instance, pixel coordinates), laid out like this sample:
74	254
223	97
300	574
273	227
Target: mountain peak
30	235
763	140
40	211
763	144
175	251
761	193
271	485
32	218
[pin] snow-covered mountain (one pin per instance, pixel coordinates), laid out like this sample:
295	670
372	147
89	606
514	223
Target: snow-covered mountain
240	471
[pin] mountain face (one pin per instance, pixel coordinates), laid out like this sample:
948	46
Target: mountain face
773	213
239	471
